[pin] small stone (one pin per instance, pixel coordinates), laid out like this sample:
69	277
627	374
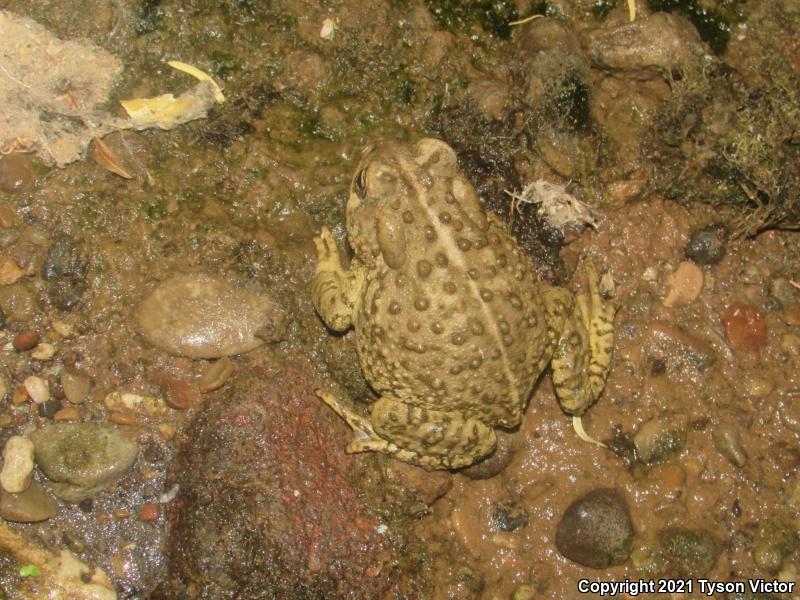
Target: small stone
166	431
43	351
744	327
20	395
66	414
6	420
81	459
8	217
3	387
596	530
49	408
728	442
508	444
122	513
16	174
9	271
17	464
658	438
179	393
31	506
708	244
216	375
689	552
149	406
200	316
783	291
63	328
683	285
73	541
25	340
17	302
125	419
149	512
76	386
508	516
674	340
38	389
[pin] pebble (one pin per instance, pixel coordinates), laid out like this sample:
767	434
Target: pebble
76	386
508	515
66	414
17	302
658	438
8	217
16	174
81	459
43	351
783	291
9	271
728	442
38	389
684	285
3	387
200	316
17	464
596	529
744	327
689	552
149	406
671	338
49	408
790	410
31	506
149	512
707	245
216	375
508	444
25	340
125	419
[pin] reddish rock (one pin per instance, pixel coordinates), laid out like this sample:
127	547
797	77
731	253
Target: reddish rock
744	327
267	506
25	340
149	512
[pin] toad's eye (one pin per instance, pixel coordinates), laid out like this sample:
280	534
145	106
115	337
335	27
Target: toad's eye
360	184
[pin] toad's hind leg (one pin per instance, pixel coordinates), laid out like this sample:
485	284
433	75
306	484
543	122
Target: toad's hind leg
582	330
433	439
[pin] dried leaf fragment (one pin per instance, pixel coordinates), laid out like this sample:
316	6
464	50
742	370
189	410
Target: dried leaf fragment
200	75
167	111
106	158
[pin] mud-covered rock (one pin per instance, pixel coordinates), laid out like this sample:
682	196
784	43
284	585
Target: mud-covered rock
201	316
707	245
267	507
659	41
82	459
596	529
32	505
659	438
16	174
688	552
508	444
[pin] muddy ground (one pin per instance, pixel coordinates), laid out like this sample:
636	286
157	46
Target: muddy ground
678	129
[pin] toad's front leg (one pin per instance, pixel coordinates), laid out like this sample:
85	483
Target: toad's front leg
432	439
334	290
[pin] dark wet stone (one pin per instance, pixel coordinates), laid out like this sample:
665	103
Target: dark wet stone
281	516
201	316
82	459
48	408
688	552
707	245
32	505
16	174
86	505
508	515
596	530
65	268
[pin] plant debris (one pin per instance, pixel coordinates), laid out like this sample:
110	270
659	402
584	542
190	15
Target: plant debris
558	207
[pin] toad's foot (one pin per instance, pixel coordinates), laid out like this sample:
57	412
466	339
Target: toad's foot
334	290
583	331
427	438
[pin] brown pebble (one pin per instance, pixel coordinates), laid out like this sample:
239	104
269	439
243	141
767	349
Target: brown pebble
684	284
7	216
122	513
67	414
9	271
20	395
178	393
167	432
149	512
25	340
16	174
123	419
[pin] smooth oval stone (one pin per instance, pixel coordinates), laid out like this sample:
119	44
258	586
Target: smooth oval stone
82	458
32	505
200	316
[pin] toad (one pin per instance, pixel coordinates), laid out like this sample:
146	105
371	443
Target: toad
452	327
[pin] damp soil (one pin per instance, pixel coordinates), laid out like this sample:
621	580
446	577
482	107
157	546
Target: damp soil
683	158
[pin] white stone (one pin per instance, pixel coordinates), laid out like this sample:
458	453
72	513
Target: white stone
17	464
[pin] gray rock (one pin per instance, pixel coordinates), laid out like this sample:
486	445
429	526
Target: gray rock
82	459
201	316
661	41
32	505
596	530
